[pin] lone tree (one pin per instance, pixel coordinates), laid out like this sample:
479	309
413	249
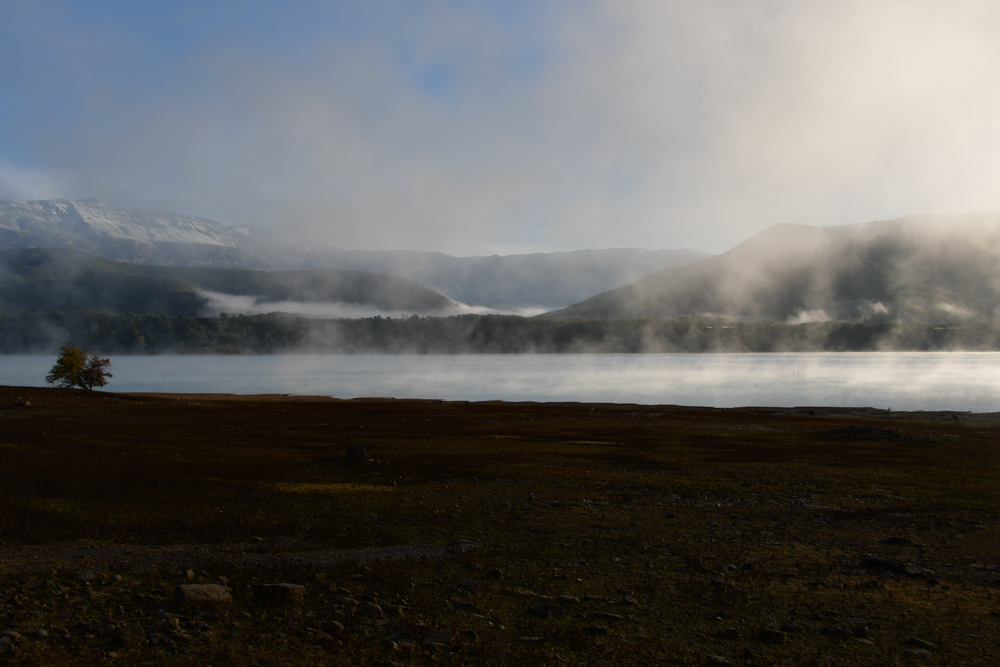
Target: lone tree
74	368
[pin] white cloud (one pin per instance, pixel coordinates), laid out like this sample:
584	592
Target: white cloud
650	123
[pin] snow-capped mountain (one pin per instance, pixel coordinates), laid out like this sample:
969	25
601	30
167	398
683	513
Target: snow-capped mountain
130	235
519	283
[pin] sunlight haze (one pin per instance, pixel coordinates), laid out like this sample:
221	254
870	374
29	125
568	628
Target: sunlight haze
506	127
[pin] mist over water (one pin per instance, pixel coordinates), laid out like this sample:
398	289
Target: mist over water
900	381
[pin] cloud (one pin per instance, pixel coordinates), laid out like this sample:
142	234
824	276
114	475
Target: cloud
500	127
235	304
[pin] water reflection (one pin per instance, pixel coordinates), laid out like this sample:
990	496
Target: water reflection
902	381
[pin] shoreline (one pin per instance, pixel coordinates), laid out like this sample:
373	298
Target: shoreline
856	412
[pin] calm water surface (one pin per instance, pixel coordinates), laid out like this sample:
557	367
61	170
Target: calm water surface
901	381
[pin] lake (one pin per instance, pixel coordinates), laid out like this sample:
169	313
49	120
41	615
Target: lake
897	380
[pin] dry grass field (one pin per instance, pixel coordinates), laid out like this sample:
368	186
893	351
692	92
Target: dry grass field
493	533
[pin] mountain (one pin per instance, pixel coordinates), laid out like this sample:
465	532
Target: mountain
50	279
541	280
918	268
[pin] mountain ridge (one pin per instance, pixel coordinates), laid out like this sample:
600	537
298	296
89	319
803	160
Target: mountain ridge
56	279
537	280
912	267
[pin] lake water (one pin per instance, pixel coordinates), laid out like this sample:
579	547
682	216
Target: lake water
901	381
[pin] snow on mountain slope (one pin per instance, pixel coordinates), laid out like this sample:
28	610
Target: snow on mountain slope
539	281
61	218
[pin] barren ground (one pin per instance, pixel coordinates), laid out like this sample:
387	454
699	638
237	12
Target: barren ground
494	533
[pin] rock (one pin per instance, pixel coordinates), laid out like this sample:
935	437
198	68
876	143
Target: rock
920	643
595	630
86	575
771	636
440	639
729	633
712	660
371	609
5	644
201	594
462	605
494	574
468	586
130	636
629	600
278	593
567	599
40	633
400	635
355	453
918	652
391	609
543	610
606	616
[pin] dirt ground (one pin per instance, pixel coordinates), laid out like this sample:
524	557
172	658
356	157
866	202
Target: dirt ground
492	533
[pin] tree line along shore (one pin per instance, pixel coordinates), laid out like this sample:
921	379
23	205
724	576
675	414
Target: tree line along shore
26	333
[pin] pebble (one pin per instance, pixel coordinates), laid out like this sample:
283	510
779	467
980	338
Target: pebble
202	595
543	610
130	636
607	616
771	636
567	599
468	586
595	630
711	660
278	593
371	609
920	643
494	574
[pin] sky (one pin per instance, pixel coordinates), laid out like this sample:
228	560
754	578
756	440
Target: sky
507	126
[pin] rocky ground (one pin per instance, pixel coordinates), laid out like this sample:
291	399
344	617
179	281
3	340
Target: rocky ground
229	530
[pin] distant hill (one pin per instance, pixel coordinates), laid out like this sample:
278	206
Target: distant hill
918	268
545	280
49	279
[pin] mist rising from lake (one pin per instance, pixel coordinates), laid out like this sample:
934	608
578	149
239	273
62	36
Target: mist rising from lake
901	381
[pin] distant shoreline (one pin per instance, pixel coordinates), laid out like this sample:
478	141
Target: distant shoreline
763	411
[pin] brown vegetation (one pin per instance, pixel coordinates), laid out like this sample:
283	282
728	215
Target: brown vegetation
493	533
